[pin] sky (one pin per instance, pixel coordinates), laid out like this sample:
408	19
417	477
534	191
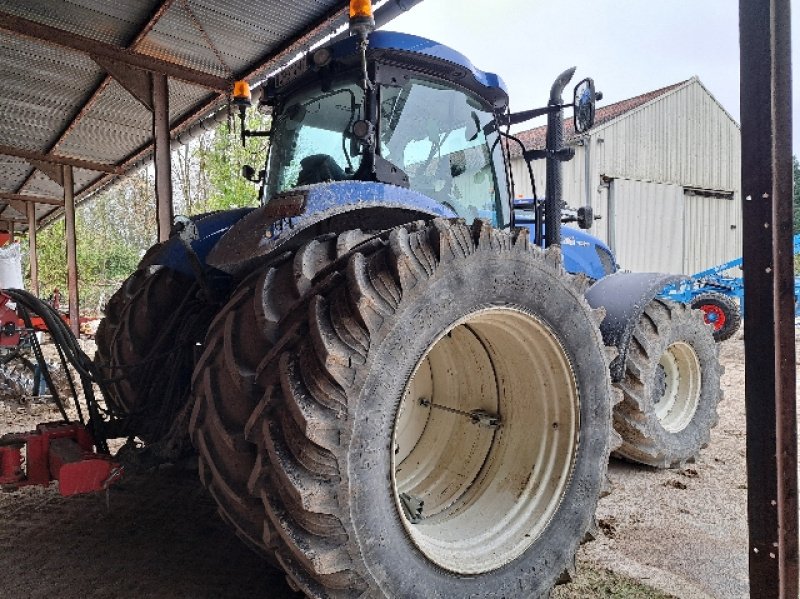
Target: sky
629	47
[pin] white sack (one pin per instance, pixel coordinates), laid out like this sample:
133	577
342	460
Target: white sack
10	267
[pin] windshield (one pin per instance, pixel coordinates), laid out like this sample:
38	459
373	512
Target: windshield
436	135
433	133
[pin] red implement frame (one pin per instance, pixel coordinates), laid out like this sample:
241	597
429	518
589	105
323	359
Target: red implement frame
56	451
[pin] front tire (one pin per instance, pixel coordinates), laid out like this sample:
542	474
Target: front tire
671	387
502	329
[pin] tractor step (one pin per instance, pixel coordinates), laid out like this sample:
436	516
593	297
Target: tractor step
59	451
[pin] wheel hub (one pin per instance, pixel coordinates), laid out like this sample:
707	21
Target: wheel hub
713	315
484	440
677	387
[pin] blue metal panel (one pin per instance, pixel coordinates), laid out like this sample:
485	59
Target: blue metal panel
411	43
582	252
268	229
210	229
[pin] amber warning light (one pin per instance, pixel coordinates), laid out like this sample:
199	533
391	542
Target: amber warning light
241	93
361	19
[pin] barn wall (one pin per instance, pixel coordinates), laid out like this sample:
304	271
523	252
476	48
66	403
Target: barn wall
661	151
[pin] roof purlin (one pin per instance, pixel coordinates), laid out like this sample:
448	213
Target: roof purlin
257	68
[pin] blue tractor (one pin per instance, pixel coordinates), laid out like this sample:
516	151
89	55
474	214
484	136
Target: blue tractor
392	387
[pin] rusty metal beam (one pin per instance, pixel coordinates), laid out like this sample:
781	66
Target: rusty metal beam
162	156
772	508
17	197
33	257
66	39
146	28
72	252
138	83
327	24
60	160
53	172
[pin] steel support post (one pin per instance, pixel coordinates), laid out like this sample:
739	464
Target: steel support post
10	227
33	258
72	253
769	288
161	155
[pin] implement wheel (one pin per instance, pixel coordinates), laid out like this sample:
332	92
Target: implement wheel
671	387
721	312
436	403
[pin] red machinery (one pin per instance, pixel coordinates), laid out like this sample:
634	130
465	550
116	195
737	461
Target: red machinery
9	322
62	451
56	451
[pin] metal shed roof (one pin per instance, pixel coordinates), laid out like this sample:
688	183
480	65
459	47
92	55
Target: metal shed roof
60	105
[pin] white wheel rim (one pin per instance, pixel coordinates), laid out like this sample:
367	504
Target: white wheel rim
676	398
488	492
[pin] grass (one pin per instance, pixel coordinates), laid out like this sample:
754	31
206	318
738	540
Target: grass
592	582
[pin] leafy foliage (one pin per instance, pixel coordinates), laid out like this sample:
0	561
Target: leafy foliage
116	227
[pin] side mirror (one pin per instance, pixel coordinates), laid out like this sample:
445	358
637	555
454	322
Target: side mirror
584	103
585	217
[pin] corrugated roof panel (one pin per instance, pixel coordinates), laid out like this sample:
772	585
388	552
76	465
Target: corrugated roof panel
12	173
239	30
177	39
42	87
116	126
42	185
183	98
110	22
83	177
11	213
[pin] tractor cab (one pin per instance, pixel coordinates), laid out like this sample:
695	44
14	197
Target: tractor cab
413	114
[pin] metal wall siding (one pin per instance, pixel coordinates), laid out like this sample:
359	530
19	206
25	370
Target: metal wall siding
648	225
713	231
684	139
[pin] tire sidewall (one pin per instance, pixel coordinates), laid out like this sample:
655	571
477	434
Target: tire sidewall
454	291
688	328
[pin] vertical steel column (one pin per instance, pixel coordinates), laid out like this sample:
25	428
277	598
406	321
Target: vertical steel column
10	226
161	155
769	289
33	258
72	255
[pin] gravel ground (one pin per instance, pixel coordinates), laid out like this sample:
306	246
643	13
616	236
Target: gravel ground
679	533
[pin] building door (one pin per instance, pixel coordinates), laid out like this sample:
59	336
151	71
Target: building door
713	229
646	225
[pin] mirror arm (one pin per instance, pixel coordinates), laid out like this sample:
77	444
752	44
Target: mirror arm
526	115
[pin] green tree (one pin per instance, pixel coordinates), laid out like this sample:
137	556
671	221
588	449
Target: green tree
221	161
116	227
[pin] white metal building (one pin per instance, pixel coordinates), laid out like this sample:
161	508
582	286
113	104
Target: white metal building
663	171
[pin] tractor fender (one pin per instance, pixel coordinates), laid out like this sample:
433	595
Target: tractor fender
210	229
624	295
295	216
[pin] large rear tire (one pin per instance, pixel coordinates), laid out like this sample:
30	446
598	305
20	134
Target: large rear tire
145	347
671	387
377	447
225	389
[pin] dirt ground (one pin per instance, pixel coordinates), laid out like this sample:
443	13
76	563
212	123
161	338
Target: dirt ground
679	533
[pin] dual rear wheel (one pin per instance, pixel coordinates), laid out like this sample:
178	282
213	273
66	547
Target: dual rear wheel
427	414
